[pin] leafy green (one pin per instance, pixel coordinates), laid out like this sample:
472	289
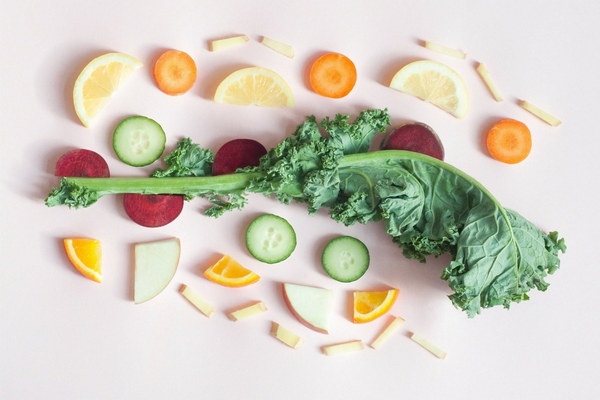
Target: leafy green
429	207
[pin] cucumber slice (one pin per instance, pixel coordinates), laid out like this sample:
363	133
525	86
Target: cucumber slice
270	239
345	259
139	141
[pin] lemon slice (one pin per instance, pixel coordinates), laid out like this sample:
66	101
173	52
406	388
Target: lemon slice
255	86
99	81
435	83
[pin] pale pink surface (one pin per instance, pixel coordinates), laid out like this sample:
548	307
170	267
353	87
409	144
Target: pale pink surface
63	336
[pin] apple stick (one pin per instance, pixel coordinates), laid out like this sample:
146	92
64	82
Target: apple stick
285	336
541	114
196	301
225	43
279	47
485	76
436	351
345	347
391	328
438	48
247	311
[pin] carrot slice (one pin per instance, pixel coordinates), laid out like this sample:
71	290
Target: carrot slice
509	141
332	75
175	72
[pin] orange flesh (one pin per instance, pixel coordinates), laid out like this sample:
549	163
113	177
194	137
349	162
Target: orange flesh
175	72
509	141
333	75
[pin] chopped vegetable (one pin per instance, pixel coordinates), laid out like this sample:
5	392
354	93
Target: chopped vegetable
139	141
270	238
228	42
429	207
279	47
509	141
390	329
340	348
444	50
345	259
415	136
198	302
237	153
82	162
286	336
436	351
175	72
541	114
152	210
485	76
247	311
332	75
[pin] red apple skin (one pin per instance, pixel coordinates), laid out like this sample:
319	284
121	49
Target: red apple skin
302	320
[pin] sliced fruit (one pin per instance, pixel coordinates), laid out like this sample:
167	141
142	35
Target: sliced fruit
152	210
311	305
237	153
340	348
202	305
279	47
82	163
371	305
270	238
86	256
345	259
391	328
332	75
285	336
155	265
486	78
228	272
444	50
417	137
255	86
228	42
435	83
175	72
538	112
99	81
247	311
436	351
139	141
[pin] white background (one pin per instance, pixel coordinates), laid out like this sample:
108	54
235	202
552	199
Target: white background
65	337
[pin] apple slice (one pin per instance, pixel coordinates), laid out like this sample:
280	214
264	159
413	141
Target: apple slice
311	305
155	266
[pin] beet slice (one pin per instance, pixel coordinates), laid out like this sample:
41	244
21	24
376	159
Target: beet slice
82	163
417	137
237	153
152	210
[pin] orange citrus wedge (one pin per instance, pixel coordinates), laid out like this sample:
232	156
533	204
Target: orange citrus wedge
86	256
228	272
371	305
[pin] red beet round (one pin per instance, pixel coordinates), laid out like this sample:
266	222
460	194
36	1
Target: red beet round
82	163
417	137
237	153
152	210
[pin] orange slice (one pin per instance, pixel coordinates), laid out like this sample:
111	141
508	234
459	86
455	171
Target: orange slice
228	272
371	305
86	256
